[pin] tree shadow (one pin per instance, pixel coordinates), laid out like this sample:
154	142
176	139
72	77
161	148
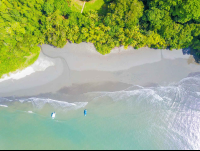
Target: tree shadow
193	52
104	8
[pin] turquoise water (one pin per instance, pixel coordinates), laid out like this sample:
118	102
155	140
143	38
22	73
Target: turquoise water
164	117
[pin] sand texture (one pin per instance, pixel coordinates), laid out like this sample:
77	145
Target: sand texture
80	65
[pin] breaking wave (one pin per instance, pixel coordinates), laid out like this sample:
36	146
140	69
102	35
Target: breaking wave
176	107
172	112
39	103
3	105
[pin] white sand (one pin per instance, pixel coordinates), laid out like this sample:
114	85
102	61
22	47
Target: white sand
41	64
174	54
84	56
34	82
81	63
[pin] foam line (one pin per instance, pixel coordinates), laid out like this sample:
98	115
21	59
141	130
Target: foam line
3	105
41	64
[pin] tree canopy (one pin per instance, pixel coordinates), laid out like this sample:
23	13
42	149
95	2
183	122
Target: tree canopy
25	24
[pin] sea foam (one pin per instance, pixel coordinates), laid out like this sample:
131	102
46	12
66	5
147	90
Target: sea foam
39	103
183	91
172	111
3	105
41	64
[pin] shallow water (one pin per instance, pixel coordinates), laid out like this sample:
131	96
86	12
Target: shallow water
162	117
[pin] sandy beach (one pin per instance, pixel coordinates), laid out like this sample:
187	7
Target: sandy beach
79	68
135	99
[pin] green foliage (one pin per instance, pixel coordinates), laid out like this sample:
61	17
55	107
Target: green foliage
48	8
86	0
181	11
96	5
18	44
77	5
174	20
24	24
63	6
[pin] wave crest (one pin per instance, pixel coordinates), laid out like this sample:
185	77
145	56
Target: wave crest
39	103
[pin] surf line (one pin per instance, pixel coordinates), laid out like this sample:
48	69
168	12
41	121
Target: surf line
3	105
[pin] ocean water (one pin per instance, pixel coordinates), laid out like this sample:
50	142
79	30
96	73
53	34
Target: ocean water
161	117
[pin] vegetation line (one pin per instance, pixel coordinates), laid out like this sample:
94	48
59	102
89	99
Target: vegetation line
24	24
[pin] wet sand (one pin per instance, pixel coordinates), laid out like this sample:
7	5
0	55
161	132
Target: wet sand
79	68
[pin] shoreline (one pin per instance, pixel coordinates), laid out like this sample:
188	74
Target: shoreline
80	65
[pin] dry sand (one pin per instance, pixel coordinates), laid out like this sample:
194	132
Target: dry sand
79	68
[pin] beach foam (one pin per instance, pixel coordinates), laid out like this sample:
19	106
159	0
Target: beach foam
39	103
172	110
41	64
168	114
3	105
180	91
31	112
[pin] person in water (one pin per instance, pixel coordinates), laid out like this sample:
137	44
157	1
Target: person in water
85	112
53	115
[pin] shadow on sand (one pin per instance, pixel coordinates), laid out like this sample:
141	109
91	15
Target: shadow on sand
193	52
